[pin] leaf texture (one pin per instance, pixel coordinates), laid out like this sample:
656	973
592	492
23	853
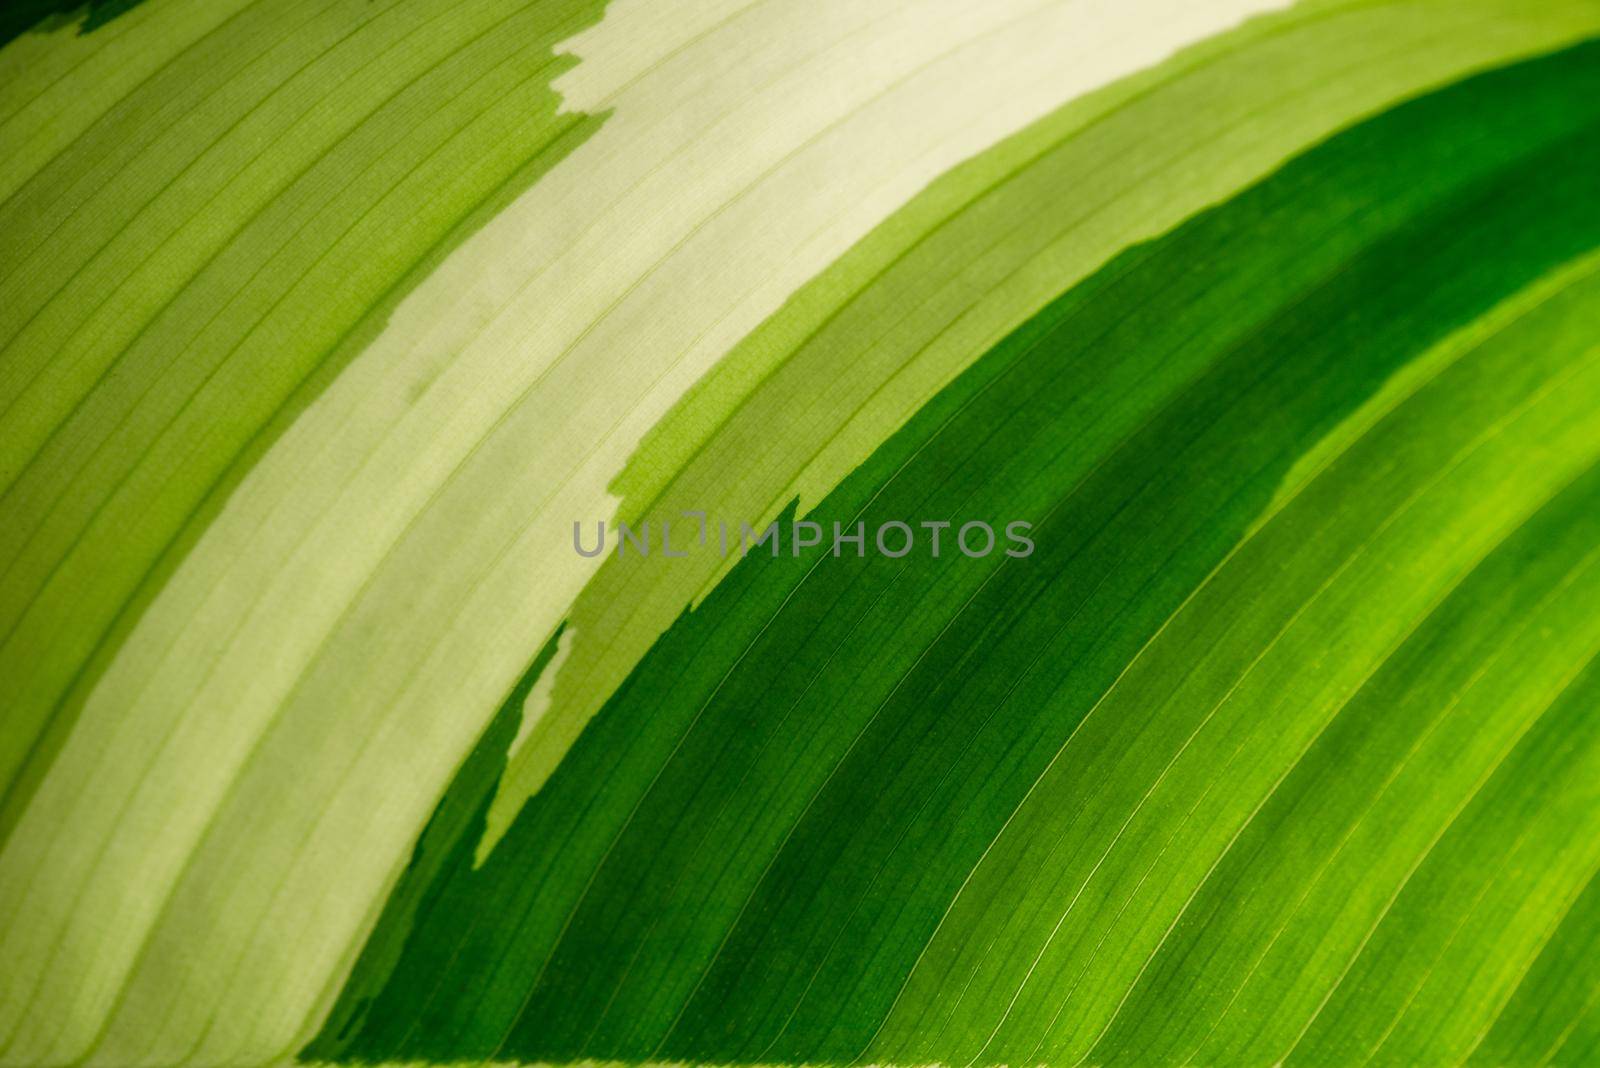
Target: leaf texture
322	325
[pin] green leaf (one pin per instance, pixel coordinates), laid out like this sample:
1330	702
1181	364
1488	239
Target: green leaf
322	323
1252	760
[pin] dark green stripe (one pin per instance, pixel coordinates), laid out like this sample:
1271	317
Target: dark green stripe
17	17
746	852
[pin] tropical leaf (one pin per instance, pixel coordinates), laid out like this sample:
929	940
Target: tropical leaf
1260	338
